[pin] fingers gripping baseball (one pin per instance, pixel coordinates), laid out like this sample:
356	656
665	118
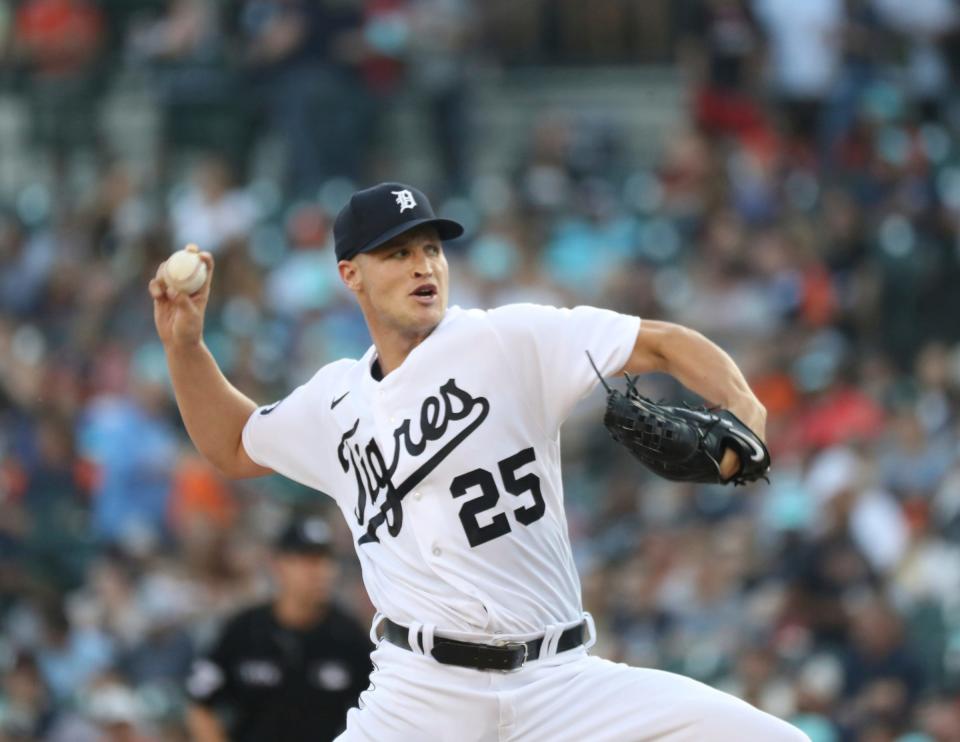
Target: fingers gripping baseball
178	315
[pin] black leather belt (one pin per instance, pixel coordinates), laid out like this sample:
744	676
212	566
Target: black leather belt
505	656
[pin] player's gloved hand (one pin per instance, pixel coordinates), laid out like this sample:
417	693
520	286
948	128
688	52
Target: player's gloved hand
179	317
681	443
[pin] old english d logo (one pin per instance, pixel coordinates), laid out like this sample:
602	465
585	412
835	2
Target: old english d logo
404	199
374	475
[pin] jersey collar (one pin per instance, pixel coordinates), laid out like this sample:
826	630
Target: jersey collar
371	355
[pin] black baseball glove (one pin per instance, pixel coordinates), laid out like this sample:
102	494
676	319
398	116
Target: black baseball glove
680	442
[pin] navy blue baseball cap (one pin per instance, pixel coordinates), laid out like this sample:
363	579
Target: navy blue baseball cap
376	215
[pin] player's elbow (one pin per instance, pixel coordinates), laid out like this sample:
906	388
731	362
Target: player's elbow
654	346
240	471
235	463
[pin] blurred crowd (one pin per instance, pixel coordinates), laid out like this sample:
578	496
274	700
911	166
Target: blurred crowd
225	73
804	217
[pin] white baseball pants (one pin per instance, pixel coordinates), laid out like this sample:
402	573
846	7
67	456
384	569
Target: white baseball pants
570	697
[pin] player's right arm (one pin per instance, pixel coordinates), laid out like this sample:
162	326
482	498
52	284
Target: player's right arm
213	410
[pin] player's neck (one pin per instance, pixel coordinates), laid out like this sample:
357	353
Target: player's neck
393	347
390	358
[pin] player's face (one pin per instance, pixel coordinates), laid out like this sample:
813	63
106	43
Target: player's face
402	285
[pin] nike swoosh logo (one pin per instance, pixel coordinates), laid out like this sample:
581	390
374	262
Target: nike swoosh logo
757	454
338	400
271	408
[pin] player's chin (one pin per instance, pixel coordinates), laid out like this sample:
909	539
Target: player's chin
426	314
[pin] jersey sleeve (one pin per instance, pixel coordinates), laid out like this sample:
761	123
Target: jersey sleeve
547	348
295	436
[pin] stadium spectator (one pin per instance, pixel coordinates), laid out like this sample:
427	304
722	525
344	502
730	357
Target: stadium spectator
27	707
300	61
54	498
211	210
721	49
116	714
58	43
184	48
438	55
804	43
70	654
134	450
924	28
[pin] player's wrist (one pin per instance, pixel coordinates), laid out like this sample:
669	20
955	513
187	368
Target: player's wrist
748	408
183	347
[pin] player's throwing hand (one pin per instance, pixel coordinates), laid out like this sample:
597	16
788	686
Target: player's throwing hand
179	317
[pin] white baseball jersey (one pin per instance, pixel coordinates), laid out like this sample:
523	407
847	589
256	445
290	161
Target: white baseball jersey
448	470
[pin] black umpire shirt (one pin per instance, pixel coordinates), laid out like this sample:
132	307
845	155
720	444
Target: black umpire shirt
281	684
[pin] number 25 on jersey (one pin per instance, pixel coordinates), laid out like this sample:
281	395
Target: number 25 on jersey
489	496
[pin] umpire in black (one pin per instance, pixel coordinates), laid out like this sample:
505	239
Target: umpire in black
287	671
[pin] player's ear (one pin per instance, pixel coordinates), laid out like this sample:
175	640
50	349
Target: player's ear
349	274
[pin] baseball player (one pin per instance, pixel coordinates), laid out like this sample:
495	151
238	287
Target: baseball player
441	445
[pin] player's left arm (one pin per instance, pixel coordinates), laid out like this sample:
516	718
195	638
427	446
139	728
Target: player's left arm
703	367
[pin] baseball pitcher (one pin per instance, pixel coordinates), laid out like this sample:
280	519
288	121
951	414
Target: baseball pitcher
441	445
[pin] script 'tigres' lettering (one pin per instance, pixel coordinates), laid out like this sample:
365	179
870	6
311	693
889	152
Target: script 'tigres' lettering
374	476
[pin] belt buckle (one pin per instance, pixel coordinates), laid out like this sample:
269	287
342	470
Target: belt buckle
506	644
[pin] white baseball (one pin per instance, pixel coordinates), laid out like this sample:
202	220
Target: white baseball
185	271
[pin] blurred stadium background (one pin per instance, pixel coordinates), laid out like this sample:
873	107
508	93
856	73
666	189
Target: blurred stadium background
781	174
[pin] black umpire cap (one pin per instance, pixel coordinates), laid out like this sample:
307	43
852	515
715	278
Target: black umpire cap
307	536
378	214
